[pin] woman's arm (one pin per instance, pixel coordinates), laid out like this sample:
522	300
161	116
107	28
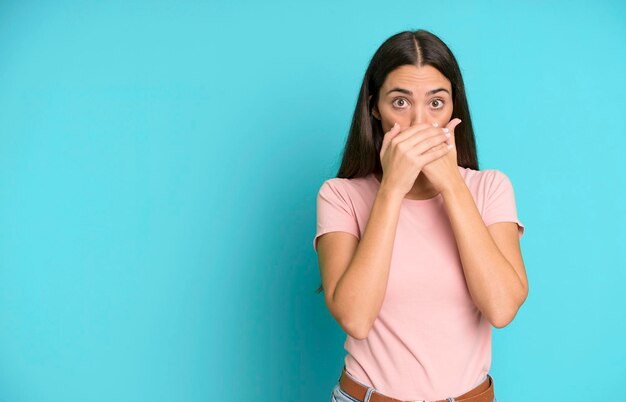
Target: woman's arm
354	294
491	257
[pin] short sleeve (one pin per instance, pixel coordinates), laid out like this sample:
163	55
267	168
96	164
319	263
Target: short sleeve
334	211
500	201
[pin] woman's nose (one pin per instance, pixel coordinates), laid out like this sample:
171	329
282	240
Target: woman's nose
420	116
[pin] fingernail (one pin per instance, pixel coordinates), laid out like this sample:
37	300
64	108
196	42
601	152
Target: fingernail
435	124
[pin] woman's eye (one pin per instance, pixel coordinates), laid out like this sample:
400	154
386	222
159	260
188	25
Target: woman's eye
397	105
439	103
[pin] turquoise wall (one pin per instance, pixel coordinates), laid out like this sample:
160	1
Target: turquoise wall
159	166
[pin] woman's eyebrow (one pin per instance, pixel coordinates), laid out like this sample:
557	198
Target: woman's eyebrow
406	91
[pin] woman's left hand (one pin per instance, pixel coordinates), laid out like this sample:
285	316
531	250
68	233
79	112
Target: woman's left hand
443	171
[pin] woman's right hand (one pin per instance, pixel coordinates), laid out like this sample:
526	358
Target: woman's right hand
403	154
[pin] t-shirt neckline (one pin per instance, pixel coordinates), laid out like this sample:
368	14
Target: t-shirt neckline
409	200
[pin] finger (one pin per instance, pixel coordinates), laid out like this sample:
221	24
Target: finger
434	153
452	124
427	132
429	136
411	130
429	142
388	136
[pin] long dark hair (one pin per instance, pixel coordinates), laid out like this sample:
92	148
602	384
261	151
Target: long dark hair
361	155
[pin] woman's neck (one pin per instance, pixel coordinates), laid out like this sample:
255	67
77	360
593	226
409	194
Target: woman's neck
422	188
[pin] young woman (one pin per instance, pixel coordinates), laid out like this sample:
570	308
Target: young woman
418	249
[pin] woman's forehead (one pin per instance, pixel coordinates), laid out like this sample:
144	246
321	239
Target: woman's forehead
411	77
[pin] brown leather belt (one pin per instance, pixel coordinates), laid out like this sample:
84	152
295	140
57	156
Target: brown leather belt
483	392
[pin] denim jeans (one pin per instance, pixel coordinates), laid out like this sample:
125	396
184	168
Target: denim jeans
339	395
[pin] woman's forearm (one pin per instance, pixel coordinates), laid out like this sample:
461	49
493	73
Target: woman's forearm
359	294
494	286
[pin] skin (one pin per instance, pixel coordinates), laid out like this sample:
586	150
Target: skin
491	256
419	108
355	272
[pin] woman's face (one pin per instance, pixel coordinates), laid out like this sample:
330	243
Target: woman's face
412	95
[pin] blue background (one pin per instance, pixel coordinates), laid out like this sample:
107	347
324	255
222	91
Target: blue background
159	166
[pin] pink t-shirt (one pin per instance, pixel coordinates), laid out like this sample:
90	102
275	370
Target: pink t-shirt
429	340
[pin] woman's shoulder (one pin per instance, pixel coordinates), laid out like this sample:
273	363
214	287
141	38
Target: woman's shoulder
358	191
472	175
348	184
484	182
